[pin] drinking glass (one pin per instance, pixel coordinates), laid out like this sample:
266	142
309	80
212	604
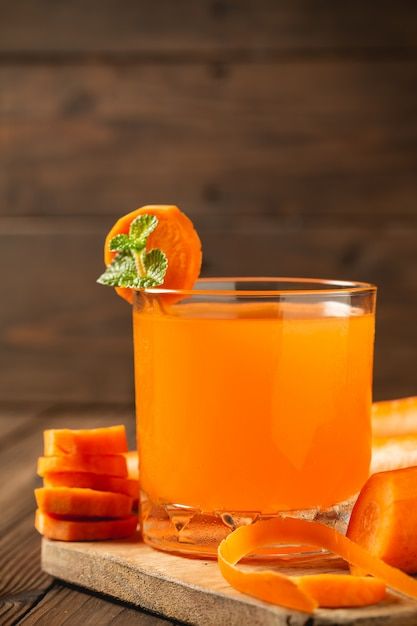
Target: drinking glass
253	400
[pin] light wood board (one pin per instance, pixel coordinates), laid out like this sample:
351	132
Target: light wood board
193	591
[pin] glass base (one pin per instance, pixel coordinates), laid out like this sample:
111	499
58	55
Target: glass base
190	532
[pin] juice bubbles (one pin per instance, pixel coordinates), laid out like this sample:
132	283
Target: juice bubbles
252	404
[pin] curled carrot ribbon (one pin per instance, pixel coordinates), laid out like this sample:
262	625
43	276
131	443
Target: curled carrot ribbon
305	593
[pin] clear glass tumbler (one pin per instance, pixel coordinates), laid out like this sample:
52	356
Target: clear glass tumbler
253	400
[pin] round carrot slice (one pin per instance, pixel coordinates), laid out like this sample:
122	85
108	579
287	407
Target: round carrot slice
175	235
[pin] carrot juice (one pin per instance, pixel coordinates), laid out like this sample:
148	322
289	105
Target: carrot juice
253	403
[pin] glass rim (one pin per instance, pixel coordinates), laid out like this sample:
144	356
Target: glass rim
324	286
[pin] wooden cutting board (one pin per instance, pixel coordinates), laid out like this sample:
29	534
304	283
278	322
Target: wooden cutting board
193	591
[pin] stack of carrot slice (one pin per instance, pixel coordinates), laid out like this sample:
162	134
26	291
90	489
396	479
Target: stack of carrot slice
88	492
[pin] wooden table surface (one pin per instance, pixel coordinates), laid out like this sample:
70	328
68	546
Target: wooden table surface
29	596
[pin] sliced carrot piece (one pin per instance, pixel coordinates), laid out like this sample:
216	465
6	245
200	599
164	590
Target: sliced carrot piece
275	587
175	235
62	529
132	462
384	518
112	465
127	486
82	502
393	452
394	417
111	440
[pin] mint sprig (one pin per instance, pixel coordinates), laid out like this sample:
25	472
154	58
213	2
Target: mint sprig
133	266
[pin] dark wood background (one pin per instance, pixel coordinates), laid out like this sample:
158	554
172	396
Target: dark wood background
286	130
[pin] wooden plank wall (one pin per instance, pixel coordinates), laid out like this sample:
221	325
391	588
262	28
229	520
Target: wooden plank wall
287	130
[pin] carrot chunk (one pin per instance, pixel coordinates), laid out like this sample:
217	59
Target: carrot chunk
290	592
393	452
394	417
129	487
384	518
112	465
60	441
132	462
62	529
82	502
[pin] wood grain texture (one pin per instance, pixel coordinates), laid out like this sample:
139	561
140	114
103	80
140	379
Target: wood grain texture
15	421
288	129
22	582
206	26
27	594
193	590
67	606
65	338
288	139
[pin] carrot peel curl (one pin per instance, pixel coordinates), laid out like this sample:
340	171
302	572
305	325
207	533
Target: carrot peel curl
305	593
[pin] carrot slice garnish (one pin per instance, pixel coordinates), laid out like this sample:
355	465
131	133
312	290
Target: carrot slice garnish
299	592
384	518
175	236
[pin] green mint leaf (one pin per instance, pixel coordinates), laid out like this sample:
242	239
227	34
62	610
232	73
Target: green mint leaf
134	267
120	243
137	282
122	270
145	282
156	265
142	226
122	273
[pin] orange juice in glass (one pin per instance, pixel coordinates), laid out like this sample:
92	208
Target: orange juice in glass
253	399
